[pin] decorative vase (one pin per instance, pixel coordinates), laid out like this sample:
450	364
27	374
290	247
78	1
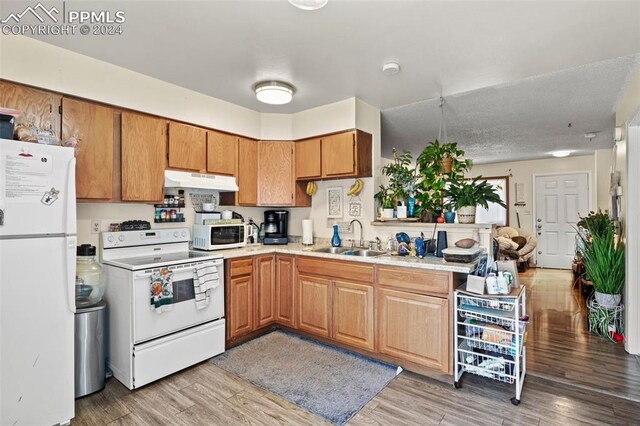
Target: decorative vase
387	213
335	240
608	301
411	206
467	214
449	217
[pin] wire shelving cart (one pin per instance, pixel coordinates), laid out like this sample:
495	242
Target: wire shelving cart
490	335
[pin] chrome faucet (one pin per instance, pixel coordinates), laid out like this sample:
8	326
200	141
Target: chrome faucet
361	243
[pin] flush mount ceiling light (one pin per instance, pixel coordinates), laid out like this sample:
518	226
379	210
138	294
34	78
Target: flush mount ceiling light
391	68
309	4
563	153
273	92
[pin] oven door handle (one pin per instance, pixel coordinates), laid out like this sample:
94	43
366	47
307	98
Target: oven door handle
191	269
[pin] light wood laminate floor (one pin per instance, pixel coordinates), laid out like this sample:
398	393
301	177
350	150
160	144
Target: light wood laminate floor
559	349
559	346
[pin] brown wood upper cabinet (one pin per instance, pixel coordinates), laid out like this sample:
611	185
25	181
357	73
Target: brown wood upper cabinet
247	172
222	153
144	141
275	171
93	125
187	147
346	154
39	107
336	156
308	159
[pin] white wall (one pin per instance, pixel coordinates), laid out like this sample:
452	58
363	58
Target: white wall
628	163
523	171
30	61
604	159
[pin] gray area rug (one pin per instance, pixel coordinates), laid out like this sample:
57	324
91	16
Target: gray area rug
330	382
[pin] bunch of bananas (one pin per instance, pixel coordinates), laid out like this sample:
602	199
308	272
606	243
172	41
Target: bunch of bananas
355	189
312	188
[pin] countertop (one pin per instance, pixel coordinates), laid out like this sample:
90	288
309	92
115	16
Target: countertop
432	263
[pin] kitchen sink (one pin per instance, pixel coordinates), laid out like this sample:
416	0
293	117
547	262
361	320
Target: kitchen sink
365	253
332	250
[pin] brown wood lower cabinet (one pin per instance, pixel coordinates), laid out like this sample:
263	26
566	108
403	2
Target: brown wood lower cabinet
314	305
414	327
265	298
285	294
353	314
239	291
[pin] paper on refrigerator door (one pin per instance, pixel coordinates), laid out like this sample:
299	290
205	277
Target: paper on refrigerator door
26	177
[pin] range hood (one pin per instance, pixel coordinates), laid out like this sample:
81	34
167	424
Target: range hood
175	179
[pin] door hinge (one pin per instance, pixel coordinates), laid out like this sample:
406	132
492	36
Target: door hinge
59	109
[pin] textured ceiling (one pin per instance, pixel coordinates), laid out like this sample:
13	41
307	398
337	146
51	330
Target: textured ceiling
453	48
521	120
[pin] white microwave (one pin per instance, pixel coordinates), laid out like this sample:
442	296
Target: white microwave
220	236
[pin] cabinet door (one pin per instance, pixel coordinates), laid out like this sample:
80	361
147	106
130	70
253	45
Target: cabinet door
308	159
247	172
39	107
338	155
414	327
240	306
285	299
92	124
275	173
144	142
314	305
353	314
265	276
187	147
222	153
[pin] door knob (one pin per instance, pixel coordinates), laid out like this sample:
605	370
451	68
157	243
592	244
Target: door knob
539	252
539	220
539	226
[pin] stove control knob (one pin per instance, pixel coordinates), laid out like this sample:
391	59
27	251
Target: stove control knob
175	234
121	238
110	238
184	234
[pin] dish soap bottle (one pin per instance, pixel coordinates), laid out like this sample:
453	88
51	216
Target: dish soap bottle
335	240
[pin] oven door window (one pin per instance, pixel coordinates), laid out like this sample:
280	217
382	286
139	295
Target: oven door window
183	290
221	235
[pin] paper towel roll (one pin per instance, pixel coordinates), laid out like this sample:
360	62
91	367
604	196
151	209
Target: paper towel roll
307	231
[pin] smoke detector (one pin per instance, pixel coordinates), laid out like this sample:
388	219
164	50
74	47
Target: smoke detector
391	68
591	135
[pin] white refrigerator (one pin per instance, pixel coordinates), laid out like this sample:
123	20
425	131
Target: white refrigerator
37	283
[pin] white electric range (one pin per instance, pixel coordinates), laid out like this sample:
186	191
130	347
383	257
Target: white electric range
145	343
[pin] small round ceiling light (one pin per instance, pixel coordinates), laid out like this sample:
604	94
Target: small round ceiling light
273	92
309	4
391	68
560	154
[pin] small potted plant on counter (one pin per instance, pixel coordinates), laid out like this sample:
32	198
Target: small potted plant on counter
466	194
385	198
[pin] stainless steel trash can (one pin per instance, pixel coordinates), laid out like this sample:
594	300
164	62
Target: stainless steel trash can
90	345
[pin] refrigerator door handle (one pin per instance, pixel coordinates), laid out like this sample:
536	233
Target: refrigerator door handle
70	207
70	260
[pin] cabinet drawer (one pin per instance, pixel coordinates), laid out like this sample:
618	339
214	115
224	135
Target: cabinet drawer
238	267
335	269
414	280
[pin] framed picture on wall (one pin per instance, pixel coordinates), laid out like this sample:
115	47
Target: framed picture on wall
334	202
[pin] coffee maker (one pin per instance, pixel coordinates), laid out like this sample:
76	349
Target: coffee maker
275	227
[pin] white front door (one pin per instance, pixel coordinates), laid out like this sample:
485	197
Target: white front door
560	201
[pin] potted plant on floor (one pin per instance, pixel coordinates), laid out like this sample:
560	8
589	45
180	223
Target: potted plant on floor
603	257
438	164
466	194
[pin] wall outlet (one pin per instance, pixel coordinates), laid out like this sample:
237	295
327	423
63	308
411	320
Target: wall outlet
95	226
